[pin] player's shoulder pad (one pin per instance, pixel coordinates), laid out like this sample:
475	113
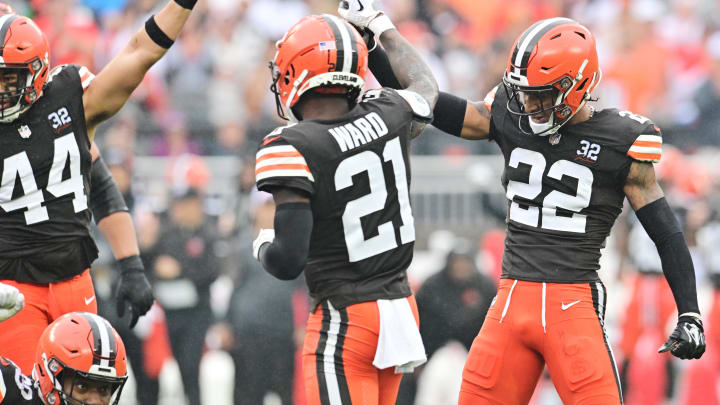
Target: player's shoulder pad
276	157
85	75
644	137
419	106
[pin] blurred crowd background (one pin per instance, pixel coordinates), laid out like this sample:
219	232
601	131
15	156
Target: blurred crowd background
182	152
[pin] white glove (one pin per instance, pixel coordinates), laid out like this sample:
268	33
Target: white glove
362	14
11	301
265	236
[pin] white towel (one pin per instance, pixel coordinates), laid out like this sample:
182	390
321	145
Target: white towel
399	343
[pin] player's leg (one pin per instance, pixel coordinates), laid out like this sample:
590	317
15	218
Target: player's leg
577	353
337	357
501	367
76	294
19	335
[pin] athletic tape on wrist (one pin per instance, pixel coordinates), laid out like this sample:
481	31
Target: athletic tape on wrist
380	24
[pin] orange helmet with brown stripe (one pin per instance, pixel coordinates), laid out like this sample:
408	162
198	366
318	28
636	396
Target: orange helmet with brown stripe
555	59
321	53
24	60
77	347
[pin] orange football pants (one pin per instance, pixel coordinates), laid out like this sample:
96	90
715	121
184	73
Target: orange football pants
44	303
530	325
338	353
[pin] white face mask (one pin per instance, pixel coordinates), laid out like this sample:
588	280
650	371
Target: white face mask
543	129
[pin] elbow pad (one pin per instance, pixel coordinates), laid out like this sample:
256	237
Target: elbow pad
105	197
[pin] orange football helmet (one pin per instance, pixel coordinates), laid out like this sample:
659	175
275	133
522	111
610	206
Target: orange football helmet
24	50
83	345
556	55
321	52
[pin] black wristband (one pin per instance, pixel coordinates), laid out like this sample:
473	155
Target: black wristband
156	34
131	264
449	113
188	4
105	197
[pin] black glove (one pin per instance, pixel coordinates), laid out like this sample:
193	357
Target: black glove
133	289
687	340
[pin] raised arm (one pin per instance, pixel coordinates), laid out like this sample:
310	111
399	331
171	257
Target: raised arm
111	88
410	69
647	199
452	114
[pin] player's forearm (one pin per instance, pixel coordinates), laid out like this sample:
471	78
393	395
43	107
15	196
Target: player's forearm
119	231
663	228
149	45
115	83
410	69
453	115
286	256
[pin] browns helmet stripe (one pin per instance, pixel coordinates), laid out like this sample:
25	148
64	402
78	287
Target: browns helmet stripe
339	44
353	46
104	347
346	48
5	22
529	39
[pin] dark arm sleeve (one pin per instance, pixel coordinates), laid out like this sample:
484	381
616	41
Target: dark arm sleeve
449	111
286	256
379	65
105	197
663	228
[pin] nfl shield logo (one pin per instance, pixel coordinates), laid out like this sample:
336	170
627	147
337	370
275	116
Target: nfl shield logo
24	131
554	139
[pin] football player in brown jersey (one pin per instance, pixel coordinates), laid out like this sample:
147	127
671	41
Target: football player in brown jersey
79	360
48	119
568	169
339	176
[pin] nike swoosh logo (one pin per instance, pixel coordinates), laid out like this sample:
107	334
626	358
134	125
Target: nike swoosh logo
89	300
566	306
361	7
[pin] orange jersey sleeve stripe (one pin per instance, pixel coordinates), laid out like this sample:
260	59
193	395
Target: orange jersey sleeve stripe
282	167
650	144
278	155
655	157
